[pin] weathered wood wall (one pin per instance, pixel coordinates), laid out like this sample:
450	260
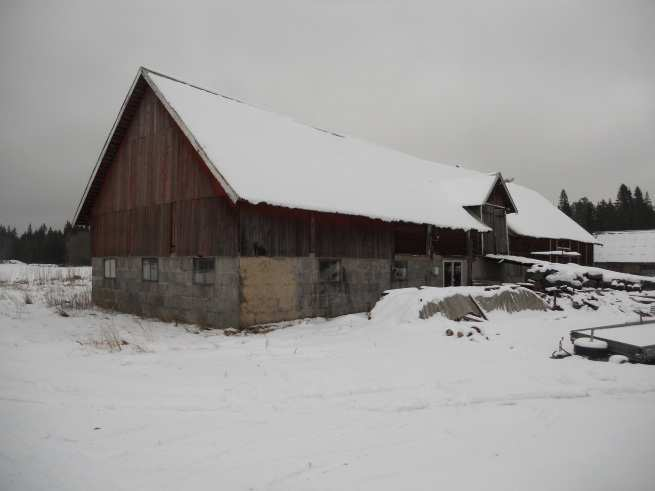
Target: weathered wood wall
495	242
157	196
273	231
521	245
357	237
449	242
499	196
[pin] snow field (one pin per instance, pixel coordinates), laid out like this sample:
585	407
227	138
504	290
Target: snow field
17	272
346	403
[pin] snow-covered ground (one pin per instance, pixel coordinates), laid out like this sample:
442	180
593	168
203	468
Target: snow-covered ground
17	272
343	404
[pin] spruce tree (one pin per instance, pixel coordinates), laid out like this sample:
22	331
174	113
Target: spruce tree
625	208
564	204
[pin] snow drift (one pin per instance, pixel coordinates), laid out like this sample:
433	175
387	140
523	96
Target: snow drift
454	303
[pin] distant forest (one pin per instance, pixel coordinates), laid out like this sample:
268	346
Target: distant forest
45	245
629	211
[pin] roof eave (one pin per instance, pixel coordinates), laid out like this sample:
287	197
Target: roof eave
82	202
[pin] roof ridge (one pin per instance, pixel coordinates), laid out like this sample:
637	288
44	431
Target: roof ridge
642	230
178	80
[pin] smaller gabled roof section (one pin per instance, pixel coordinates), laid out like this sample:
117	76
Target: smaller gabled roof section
475	190
538	217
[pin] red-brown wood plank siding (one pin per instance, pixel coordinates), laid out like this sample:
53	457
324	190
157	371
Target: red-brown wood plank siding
158	195
274	231
521	245
352	236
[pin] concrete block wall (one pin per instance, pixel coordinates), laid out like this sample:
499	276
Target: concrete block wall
174	297
362	283
255	290
420	271
487	271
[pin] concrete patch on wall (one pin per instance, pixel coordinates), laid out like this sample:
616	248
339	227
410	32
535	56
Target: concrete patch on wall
286	288
274	289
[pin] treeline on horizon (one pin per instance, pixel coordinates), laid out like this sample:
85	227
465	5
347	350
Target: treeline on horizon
44	245
629	211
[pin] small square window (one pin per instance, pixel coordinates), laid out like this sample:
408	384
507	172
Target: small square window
329	270
203	270
110	268
150	269
399	270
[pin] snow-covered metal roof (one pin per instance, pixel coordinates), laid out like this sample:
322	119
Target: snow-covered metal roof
632	246
268	158
262	157
538	217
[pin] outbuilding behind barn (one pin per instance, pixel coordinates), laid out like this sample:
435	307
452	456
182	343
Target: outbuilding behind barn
628	251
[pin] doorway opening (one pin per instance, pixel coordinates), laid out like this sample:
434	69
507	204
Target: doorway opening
453	273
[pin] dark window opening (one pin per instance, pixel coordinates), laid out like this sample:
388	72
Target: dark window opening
150	269
110	268
258	249
203	270
399	271
329	270
453	273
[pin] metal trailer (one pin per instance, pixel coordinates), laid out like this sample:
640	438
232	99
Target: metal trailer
634	353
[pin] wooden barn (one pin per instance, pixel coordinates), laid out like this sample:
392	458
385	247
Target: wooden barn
205	209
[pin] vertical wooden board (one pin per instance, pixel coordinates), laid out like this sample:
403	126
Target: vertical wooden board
153	167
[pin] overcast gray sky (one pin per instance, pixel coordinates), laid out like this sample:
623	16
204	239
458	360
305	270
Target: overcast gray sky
554	93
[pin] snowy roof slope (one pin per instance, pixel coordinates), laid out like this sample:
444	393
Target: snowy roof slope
262	157
265	157
538	217
634	246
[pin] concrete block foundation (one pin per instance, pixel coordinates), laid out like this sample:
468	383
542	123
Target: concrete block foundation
257	290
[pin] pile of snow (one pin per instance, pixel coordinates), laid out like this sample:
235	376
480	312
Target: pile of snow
11	261
605	300
18	272
577	275
409	304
